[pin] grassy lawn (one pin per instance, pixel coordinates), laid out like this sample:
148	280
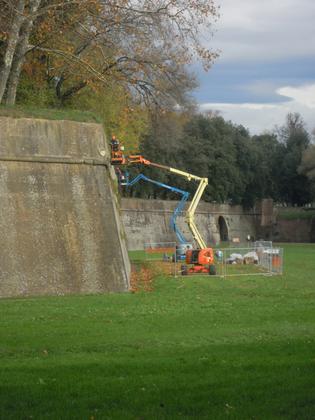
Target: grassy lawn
19	111
202	347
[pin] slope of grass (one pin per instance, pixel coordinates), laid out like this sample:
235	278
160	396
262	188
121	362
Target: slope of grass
295	214
202	347
48	113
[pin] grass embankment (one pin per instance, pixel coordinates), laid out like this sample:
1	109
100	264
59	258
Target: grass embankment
48	113
295	214
199	347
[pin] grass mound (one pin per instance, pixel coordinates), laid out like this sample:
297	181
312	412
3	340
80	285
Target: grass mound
296	214
48	113
199	347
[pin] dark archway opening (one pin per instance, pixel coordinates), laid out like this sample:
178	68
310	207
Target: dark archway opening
223	229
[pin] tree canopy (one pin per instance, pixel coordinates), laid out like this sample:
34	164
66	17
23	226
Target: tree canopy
240	168
141	45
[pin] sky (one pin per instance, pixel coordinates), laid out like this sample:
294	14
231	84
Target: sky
266	67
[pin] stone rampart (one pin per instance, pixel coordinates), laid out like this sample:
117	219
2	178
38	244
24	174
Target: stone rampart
148	221
60	226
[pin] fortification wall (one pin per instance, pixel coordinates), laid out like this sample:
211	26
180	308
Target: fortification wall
60	227
299	230
149	221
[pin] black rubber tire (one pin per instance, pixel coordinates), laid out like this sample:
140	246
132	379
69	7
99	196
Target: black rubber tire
212	270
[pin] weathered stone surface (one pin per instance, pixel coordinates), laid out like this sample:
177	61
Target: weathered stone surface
30	137
148	221
300	230
60	228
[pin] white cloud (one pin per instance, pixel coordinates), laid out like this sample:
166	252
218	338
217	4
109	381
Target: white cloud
265	30
264	117
267	34
304	95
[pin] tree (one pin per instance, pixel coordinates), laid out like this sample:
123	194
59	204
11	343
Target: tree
20	51
307	167
15	13
294	186
21	15
205	146
120	116
142	45
240	168
268	156
163	144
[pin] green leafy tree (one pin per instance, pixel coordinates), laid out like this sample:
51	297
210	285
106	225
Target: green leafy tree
295	187
308	162
240	168
307	167
267	155
203	145
163	144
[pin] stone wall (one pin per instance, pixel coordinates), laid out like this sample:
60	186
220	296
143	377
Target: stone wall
299	230
276	226
60	227
149	221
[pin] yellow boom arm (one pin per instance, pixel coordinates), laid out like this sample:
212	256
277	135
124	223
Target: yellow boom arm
190	214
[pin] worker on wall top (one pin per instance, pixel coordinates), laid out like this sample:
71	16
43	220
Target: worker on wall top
114	144
117	156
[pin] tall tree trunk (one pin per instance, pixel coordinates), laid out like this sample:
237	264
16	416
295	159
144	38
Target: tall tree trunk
20	52
13	39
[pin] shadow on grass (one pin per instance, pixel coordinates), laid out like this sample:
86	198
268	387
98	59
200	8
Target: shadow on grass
213	381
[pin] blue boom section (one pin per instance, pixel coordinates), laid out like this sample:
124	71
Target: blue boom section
179	208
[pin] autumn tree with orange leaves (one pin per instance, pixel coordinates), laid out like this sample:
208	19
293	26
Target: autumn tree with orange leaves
19	20
141	45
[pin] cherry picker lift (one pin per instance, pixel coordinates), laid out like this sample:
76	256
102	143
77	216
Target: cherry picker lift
201	259
179	208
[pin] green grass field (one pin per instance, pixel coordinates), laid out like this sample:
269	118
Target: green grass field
18	111
201	347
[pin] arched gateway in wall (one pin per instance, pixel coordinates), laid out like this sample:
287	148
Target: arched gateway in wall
223	229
